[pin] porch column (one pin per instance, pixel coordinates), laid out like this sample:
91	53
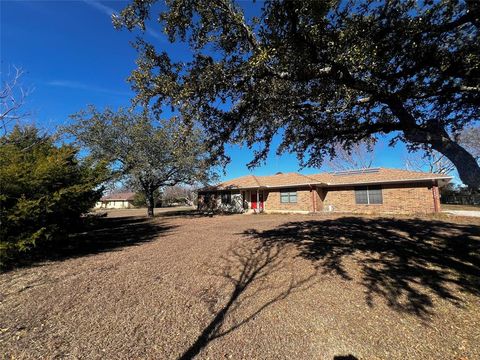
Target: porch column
312	195
258	201
436	197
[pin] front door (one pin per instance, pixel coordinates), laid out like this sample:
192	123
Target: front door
253	200
257	204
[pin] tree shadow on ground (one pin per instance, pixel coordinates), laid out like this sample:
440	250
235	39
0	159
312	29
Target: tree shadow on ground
97	236
189	214
405	261
248	270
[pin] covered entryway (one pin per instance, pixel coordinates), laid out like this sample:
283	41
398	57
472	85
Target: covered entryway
256	200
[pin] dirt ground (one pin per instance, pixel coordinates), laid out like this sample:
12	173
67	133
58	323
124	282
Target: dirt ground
251	287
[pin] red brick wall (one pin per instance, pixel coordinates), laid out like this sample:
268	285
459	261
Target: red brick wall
304	200
398	198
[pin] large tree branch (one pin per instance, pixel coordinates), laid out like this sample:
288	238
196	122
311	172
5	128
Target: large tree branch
439	140
453	25
238	18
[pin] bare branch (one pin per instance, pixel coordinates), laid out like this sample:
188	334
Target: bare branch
359	156
12	98
431	161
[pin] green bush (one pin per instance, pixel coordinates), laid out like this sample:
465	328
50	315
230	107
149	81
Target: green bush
44	190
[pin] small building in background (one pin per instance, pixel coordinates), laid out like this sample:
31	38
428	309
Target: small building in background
123	200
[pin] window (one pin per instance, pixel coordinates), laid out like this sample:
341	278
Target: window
226	198
361	195
368	195
288	197
375	195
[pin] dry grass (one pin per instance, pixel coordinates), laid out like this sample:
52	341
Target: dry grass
252	287
460	207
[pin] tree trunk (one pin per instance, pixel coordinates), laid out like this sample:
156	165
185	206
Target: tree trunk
435	135
150	202
467	167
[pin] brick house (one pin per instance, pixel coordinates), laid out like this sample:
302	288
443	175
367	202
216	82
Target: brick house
375	190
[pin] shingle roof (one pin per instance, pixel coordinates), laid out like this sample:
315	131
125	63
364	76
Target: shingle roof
363	176
377	175
278	180
243	182
119	196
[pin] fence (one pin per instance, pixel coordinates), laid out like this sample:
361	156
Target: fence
473	199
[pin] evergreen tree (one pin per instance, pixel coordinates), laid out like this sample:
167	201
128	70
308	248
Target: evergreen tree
44	190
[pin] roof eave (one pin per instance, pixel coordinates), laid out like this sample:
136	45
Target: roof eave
294	185
327	184
395	181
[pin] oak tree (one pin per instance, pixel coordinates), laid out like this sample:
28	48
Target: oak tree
318	73
151	154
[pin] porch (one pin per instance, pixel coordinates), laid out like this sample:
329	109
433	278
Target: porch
247	201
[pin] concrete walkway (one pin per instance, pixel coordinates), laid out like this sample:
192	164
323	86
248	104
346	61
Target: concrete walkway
473	213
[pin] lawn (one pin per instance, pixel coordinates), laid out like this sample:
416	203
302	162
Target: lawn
251	287
460	207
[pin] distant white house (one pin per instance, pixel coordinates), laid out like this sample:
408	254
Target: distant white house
116	201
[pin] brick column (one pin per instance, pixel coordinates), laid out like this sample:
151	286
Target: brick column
312	196
436	197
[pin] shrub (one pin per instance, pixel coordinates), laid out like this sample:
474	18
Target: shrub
44	191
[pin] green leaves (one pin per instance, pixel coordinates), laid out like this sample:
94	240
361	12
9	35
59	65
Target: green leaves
318	72
44	190
148	153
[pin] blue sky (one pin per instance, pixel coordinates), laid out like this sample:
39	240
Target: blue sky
74	57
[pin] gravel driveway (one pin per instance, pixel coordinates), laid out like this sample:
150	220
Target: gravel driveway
252	287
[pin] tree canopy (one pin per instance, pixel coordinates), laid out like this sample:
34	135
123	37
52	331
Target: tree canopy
318	73
151	154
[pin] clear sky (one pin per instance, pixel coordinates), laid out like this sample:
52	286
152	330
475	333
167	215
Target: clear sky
74	57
